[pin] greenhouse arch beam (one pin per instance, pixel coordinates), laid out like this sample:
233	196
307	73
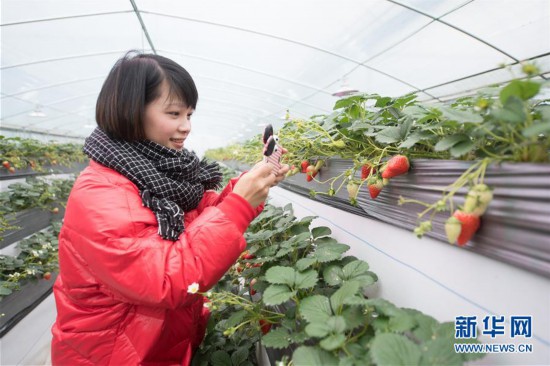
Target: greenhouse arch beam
50	104
143	27
542	75
246	69
74	81
438	19
41	132
302	44
66	17
64	58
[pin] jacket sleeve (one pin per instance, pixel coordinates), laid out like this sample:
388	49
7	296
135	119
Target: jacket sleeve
116	238
211	198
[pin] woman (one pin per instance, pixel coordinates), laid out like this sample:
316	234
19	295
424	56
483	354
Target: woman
142	227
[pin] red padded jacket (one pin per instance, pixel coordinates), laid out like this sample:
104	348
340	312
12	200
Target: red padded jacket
122	292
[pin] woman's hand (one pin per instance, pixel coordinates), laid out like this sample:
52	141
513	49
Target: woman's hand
282	173
254	185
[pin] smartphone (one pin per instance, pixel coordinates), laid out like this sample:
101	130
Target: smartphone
272	154
272	149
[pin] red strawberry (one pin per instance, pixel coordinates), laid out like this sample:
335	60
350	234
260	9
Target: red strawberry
265	326
310	173
247	255
365	171
257	265
304	165
252	282
6	164
397	165
470	224
375	187
47	276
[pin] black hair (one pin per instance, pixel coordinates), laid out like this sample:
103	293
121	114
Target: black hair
134	82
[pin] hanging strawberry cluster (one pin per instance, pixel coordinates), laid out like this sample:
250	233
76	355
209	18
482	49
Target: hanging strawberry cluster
381	135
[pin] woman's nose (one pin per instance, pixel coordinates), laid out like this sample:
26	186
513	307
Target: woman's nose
185	125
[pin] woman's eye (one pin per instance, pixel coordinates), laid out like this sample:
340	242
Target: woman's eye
174	113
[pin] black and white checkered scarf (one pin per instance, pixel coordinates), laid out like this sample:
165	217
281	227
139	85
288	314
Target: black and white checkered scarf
170	182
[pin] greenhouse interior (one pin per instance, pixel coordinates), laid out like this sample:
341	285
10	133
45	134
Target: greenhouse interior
366	182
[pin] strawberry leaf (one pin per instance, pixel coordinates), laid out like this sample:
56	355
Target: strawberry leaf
462	148
240	355
304	263
330	252
537	129
315	309
521	89
277	294
313	356
333	275
277	338
355	269
394	349
333	342
306	279
318	330
221	358
460	116
347	290
320	231
281	275
389	135
450	141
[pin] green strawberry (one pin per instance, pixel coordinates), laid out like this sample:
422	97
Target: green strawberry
453	226
353	190
478	199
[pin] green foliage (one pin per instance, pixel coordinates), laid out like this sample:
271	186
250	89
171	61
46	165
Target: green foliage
37	256
312	296
29	153
508	123
33	193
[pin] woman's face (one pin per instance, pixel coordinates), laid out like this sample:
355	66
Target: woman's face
167	122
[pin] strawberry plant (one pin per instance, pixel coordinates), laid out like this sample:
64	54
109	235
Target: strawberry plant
309	300
20	153
383	135
36	260
293	289
35	193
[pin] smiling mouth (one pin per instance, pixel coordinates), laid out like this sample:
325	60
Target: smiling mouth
178	141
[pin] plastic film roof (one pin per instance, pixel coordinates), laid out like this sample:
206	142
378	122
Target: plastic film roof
253	60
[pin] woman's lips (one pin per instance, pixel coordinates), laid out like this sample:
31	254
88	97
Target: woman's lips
177	142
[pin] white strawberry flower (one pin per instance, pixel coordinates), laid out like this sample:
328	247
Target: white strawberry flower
193	288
